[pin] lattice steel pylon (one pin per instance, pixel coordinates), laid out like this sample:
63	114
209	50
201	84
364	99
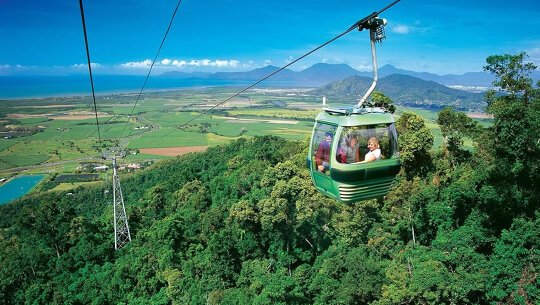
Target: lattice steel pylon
121	228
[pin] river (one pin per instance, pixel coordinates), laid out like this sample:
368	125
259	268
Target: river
18	187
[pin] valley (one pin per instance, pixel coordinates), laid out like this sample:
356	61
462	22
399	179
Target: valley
59	135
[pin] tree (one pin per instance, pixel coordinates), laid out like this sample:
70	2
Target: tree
381	100
454	126
345	275
512	142
512	74
415	141
515	263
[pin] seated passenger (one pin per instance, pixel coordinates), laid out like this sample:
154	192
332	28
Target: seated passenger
374	152
322	157
350	150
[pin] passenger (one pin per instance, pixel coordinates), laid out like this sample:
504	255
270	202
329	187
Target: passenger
322	157
350	150
374	152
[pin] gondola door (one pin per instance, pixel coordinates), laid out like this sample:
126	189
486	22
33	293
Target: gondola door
322	152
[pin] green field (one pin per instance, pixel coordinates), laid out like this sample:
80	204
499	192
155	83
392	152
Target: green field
276	113
73	185
4	165
24	160
168	137
6	143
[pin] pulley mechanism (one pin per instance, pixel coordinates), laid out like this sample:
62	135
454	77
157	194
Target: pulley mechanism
376	28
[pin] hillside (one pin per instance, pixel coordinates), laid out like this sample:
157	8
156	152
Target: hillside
241	224
404	90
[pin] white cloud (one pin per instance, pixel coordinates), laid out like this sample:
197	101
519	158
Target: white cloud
94	65
364	67
267	62
401	29
179	63
133	67
137	64
25	68
49	70
333	60
227	63
249	64
165	63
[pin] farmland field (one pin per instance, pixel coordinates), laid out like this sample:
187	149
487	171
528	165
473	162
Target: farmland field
73	185
15	161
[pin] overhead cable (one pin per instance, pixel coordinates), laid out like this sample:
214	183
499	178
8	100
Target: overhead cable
90	68
151	66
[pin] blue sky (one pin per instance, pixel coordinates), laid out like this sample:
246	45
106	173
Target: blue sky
443	37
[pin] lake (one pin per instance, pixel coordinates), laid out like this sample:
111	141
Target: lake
18	187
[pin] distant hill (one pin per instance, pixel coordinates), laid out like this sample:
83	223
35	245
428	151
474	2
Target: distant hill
326	73
404	90
316	75
285	75
477	79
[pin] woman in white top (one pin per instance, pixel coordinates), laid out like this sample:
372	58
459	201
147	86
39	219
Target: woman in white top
374	150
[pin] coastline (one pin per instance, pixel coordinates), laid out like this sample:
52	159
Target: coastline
76	86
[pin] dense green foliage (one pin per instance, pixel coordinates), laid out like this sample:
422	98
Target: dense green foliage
242	224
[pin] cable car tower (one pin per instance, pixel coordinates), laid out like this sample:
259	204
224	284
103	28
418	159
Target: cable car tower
121	227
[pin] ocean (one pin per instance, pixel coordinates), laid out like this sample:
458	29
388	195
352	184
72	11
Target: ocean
18	87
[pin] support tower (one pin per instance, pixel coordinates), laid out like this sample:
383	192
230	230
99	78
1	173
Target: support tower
121	228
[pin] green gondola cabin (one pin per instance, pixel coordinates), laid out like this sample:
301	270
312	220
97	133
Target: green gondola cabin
358	180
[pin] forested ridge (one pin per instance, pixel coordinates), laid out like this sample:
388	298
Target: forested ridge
242	224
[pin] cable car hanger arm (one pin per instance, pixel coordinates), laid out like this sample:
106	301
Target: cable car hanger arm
375	26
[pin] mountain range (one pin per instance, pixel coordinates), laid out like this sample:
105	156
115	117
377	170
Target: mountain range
316	75
342	83
321	74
